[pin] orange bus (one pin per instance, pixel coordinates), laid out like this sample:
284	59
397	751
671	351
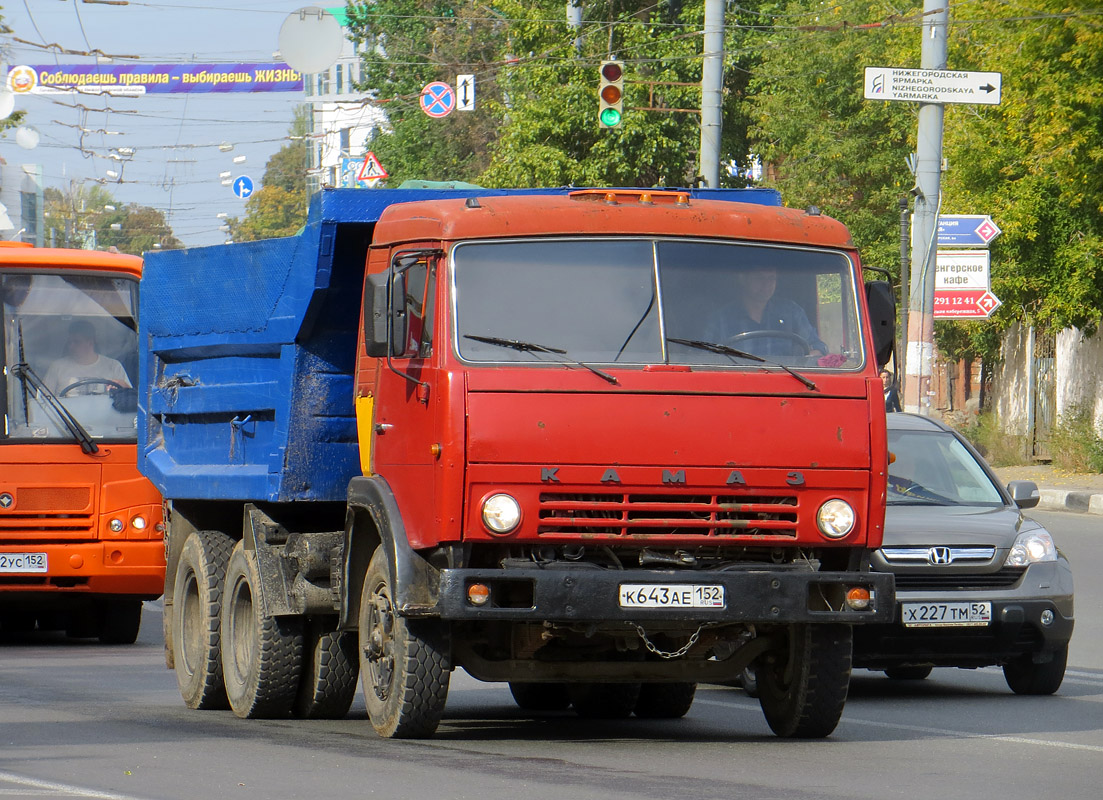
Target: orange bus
80	529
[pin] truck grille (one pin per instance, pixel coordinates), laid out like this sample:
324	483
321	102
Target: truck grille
48	513
960	581
647	516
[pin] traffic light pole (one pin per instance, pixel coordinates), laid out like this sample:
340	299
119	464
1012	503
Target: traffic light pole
919	353
712	86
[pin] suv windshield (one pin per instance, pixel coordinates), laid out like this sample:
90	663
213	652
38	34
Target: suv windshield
75	334
937	469
646	301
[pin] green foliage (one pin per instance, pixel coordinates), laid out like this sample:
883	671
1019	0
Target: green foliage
279	206
1075	444
78	217
999	448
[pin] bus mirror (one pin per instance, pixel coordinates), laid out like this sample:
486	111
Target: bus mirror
882	318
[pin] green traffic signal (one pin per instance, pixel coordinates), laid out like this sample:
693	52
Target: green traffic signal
610	117
611	94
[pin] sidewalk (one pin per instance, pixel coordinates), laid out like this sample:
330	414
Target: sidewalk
1060	491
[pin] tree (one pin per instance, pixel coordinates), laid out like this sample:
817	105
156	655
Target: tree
85	217
535	122
279	206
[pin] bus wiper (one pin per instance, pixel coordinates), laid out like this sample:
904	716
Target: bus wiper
531	347
27	375
723	349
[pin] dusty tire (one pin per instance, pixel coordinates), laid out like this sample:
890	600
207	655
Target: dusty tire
665	700
1025	677
604	700
329	673
540	696
197	618
803	689
120	621
908	673
261	656
404	664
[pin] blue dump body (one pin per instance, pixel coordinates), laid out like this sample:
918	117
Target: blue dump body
248	350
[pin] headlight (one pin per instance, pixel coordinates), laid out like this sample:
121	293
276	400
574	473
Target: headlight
835	519
1032	547
501	513
138	523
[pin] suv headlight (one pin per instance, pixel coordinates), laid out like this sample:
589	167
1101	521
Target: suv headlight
1032	547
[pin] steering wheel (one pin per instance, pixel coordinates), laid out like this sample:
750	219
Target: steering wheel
788	336
91	382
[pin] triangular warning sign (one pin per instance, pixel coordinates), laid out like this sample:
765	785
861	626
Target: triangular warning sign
371	169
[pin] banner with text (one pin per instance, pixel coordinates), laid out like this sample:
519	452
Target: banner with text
139	79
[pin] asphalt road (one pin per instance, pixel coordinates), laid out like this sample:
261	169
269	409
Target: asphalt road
85	720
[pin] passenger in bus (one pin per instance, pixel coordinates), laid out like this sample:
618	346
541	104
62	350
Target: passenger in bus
83	365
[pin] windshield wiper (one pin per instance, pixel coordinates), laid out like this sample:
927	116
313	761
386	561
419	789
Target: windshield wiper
532	347
27	375
723	349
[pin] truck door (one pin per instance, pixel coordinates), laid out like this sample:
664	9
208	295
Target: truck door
406	403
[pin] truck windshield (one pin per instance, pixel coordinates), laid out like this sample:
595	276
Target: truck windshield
69	344
646	301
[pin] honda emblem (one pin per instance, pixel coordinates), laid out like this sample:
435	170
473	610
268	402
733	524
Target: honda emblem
940	556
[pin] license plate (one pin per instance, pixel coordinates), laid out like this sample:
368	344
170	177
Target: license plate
22	562
671	595
943	615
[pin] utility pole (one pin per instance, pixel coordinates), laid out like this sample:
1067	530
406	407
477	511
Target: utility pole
712	86
919	353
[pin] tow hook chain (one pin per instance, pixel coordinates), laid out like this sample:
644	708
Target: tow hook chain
667	654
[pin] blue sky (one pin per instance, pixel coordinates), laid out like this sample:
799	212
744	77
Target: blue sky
176	161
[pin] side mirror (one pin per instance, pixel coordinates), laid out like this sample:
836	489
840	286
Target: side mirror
882	318
376	340
400	323
1024	493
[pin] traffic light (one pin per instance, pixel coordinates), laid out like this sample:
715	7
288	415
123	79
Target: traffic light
611	94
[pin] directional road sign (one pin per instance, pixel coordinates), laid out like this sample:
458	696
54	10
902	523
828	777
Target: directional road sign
964	303
438	99
243	186
933	85
961	269
966	230
465	93
371	169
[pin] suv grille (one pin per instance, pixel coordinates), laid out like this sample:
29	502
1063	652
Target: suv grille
960	581
646	516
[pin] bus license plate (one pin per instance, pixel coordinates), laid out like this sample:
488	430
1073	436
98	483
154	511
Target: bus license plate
671	595
946	615
22	562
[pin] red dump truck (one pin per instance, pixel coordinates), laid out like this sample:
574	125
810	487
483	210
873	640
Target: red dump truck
539	435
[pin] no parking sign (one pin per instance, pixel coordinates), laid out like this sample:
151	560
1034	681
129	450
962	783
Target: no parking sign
438	99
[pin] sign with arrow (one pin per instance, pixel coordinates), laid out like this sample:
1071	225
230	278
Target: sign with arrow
966	230
371	169
933	86
465	93
964	303
243	186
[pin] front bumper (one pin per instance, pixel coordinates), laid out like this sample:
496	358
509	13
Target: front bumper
766	595
135	568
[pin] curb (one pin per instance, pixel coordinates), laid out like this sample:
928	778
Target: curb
1084	502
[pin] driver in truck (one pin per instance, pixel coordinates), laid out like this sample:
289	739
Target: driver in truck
758	309
82	364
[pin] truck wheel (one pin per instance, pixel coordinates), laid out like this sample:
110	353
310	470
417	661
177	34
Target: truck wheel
540	696
197	618
121	618
665	700
404	663
604	700
261	655
908	673
1026	677
330	670
802	690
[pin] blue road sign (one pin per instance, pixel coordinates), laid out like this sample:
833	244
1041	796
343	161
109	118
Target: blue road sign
966	230
438	99
243	186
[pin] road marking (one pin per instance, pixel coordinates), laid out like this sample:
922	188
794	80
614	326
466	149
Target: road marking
63	789
937	731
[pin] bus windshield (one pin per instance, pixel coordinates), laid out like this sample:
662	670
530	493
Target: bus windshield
70	353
